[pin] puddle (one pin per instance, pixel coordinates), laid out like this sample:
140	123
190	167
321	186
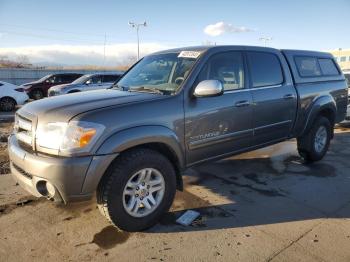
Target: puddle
254	177
109	237
320	170
265	192
169	219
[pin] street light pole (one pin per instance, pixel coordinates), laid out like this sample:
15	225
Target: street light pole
265	39
137	27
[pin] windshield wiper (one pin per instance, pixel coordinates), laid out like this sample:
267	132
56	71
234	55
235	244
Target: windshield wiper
146	89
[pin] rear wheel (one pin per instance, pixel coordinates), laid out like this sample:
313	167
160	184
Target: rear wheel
7	104
137	189
37	94
314	145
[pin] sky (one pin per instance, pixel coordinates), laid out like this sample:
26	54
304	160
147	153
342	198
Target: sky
96	32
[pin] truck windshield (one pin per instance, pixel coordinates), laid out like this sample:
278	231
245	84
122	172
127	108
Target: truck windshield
163	73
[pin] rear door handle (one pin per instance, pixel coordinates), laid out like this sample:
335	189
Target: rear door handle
242	103
288	96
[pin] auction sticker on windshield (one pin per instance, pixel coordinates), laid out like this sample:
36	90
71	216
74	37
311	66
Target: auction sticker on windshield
189	54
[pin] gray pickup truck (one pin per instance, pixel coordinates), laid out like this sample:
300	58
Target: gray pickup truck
172	110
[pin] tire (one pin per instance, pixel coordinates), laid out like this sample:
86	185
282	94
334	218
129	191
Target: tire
37	94
111	200
7	104
309	146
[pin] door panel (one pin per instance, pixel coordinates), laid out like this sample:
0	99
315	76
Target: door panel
216	126
274	113
275	100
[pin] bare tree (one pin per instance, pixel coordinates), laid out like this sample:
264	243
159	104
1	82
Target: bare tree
22	61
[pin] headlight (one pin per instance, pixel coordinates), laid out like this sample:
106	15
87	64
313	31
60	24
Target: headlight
68	138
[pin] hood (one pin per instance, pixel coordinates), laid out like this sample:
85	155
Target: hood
63	108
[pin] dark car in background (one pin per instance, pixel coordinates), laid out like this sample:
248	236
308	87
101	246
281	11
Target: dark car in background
86	83
38	89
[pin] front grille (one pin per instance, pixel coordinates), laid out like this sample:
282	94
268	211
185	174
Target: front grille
21	171
23	130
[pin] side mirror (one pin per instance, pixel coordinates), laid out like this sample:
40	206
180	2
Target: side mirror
208	88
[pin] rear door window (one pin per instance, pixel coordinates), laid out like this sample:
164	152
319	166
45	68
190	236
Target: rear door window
265	69
55	79
66	78
328	67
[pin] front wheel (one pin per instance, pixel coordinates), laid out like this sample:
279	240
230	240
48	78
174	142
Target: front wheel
314	145
7	104
37	94
137	189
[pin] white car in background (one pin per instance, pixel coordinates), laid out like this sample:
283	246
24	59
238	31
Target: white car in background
10	96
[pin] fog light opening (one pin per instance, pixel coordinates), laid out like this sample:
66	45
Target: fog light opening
46	189
50	189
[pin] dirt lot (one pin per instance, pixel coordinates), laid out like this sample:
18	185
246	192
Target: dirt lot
261	206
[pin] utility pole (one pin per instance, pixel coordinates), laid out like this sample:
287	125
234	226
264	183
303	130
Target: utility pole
265	39
104	50
137	26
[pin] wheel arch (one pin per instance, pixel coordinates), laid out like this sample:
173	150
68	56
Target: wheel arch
323	106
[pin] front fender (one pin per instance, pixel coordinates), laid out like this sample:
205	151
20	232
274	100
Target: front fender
124	140
136	136
320	104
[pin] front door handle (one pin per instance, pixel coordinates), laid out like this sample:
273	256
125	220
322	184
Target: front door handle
242	103
288	96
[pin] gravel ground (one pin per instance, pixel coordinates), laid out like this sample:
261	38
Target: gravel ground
5	130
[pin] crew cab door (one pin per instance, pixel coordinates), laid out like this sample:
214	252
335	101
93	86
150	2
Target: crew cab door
216	126
274	97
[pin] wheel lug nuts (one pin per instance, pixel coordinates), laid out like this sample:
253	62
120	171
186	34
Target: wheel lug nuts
137	195
148	186
143	183
137	188
141	198
147	194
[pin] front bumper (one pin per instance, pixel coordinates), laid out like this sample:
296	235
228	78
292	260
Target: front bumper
74	178
22	98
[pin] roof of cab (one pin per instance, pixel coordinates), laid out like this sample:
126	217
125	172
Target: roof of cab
216	47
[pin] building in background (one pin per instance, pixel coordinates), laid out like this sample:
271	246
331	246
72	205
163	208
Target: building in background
343	58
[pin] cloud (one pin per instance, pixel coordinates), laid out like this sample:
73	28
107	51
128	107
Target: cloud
116	54
221	28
